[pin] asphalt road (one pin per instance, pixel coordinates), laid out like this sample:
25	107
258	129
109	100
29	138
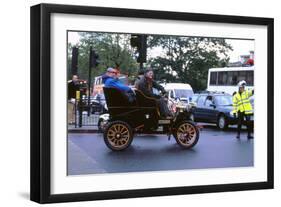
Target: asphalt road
88	154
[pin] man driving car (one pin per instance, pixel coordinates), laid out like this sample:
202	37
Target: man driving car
146	85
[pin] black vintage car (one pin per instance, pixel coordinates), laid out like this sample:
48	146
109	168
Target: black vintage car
213	107
142	116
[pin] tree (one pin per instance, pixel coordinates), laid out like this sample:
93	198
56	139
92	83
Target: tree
113	50
183	59
187	59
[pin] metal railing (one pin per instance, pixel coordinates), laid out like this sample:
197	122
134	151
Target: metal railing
88	114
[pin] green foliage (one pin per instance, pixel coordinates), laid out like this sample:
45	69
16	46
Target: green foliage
183	59
187	59
113	50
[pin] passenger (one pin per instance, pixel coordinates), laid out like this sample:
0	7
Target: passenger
146	85
110	79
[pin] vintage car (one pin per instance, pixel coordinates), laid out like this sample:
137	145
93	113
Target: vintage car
142	116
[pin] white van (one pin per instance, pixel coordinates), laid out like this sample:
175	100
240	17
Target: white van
179	91
226	79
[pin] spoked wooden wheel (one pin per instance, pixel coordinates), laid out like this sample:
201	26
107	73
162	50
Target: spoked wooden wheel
118	135
186	134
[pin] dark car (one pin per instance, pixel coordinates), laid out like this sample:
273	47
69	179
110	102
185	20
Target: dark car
214	108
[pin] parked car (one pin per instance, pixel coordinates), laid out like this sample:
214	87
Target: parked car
193	100
214	107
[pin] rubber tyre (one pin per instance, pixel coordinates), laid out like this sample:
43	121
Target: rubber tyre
222	122
118	135
191	131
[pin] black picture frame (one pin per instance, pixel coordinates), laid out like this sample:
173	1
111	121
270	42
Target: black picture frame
40	184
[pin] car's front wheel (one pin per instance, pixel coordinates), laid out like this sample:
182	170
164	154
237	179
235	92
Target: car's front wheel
186	134
222	122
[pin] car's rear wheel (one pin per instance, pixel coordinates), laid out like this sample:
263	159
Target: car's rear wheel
186	134
118	135
222	122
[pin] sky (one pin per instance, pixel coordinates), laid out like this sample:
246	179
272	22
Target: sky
240	47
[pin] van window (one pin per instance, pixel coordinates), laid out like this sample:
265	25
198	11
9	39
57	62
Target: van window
250	78
213	78
242	75
222	78
183	93
172	95
231	78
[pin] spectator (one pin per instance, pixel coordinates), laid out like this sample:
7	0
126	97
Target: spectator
72	87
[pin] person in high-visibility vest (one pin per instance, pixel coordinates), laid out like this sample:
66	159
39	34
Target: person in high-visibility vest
243	108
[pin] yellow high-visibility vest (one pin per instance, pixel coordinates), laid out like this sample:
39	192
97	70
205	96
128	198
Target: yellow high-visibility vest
241	102
77	95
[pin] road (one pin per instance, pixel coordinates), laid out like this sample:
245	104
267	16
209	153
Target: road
88	154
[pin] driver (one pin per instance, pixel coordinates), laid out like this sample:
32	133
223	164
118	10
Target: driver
146	85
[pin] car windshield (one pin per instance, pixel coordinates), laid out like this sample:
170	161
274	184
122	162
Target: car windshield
183	93
224	100
194	98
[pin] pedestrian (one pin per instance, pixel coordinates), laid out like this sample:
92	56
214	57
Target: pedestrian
72	87
146	85
110	79
242	108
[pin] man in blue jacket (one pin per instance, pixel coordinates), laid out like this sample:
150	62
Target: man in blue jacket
110	79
